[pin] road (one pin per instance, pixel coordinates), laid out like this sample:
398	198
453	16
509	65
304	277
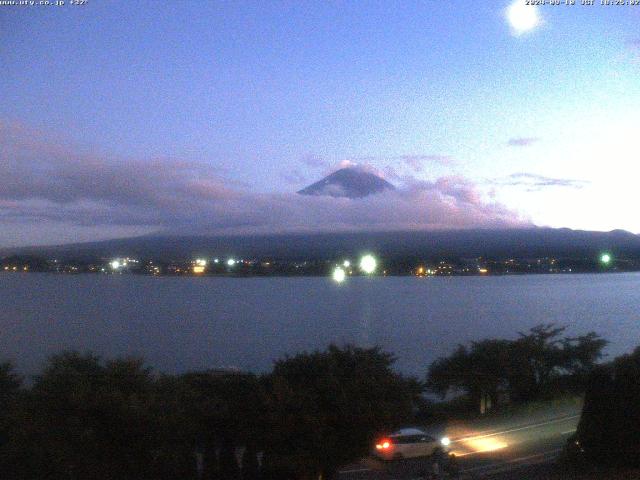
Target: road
511	443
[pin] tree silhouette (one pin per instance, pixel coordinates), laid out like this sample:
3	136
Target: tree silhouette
526	368
92	420
326	407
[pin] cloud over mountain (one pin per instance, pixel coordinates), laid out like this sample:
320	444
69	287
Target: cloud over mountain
47	182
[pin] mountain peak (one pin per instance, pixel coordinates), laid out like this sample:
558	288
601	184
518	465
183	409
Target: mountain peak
348	182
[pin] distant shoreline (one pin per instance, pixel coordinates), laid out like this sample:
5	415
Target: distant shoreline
328	276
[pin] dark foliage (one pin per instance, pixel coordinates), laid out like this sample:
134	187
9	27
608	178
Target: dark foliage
609	428
536	364
86	419
325	407
10	384
89	418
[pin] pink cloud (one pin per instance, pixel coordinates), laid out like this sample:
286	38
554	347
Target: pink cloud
51	184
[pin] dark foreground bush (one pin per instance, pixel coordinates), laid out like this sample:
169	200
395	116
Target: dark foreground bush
87	418
609	428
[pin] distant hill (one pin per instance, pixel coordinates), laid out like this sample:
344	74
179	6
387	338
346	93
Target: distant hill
522	243
350	183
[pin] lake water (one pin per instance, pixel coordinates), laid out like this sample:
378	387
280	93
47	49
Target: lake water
180	324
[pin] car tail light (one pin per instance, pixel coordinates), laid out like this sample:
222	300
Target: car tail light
384	444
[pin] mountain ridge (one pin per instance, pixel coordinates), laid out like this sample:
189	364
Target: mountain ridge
529	242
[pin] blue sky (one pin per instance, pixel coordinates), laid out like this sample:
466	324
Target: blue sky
263	98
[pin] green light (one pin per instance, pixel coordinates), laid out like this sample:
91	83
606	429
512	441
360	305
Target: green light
605	258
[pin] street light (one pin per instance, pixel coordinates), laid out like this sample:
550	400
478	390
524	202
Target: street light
368	264
605	258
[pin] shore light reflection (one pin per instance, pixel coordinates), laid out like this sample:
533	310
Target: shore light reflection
339	275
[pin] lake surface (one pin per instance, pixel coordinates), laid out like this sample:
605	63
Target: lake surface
188	323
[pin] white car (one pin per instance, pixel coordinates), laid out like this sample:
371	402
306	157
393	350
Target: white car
408	443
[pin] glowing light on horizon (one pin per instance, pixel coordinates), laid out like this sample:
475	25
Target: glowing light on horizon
231	262
115	264
368	264
346	264
605	258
